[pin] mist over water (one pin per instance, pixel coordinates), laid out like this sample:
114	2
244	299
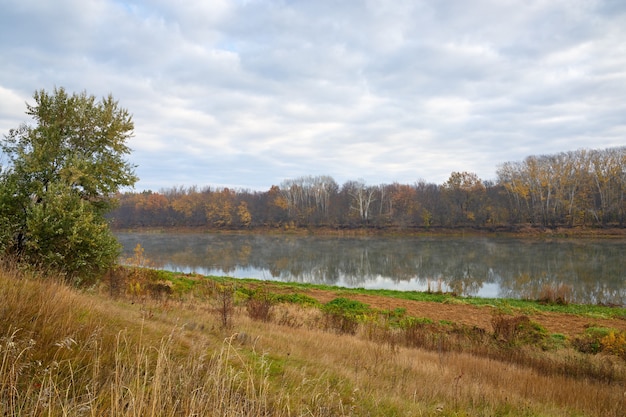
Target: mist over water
590	271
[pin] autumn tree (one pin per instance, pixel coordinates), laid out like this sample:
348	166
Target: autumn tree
465	191
608	184
404	205
567	188
190	205
58	184
276	206
243	214
511	177
152	208
430	197
362	197
308	198
220	207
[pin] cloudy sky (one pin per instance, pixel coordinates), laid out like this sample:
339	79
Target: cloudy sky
248	93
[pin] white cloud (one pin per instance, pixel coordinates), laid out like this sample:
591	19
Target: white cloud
249	93
12	107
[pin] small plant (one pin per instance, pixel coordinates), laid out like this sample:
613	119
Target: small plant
296	298
137	277
343	315
417	332
260	305
224	304
555	341
559	294
139	259
159	291
615	343
516	329
116	279
591	340
393	318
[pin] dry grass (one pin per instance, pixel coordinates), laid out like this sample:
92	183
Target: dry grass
65	352
555	294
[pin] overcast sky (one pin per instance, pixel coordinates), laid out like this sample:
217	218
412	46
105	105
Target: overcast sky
248	93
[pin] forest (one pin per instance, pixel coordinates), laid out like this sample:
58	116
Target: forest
582	188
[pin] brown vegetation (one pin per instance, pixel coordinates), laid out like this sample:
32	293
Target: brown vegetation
65	352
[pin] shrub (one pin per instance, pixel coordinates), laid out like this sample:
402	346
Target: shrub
343	315
296	298
224	304
418	332
590	341
516	329
559	294
615	343
116	279
260	304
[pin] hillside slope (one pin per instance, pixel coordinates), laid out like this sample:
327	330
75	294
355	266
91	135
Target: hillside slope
75	353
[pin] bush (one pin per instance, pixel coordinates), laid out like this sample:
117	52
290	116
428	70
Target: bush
65	235
418	332
260	305
591	340
559	294
224	304
615	343
516	329
343	315
301	299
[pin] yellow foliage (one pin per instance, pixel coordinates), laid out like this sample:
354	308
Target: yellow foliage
139	258
134	289
615	343
244	214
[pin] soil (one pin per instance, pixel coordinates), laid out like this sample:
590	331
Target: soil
479	316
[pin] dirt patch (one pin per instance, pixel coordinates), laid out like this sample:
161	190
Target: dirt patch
479	316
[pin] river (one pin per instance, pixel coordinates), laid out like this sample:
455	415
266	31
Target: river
586	270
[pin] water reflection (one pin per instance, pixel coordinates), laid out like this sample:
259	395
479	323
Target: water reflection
592	271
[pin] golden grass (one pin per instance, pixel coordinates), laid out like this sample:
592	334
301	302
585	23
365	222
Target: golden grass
80	353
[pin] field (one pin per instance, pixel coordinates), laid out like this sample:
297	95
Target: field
151	343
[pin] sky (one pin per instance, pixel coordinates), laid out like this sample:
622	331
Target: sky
249	93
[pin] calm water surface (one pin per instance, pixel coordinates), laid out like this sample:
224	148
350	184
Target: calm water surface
594	271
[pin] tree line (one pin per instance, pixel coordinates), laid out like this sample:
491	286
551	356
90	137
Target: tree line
568	189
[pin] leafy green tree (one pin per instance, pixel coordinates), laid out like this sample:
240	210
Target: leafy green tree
59	182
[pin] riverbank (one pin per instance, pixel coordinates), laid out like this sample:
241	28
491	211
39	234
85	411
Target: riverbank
586	270
525	231
552	314
151	343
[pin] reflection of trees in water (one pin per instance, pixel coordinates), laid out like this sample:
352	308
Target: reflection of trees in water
595	271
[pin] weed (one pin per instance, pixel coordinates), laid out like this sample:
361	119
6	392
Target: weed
260	304
224	304
516	330
559	294
418	332
297	298
615	343
591	340
343	315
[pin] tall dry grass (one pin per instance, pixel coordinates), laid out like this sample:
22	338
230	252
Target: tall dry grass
80	353
71	353
405	381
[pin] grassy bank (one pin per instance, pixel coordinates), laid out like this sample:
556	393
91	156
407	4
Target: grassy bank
150	343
